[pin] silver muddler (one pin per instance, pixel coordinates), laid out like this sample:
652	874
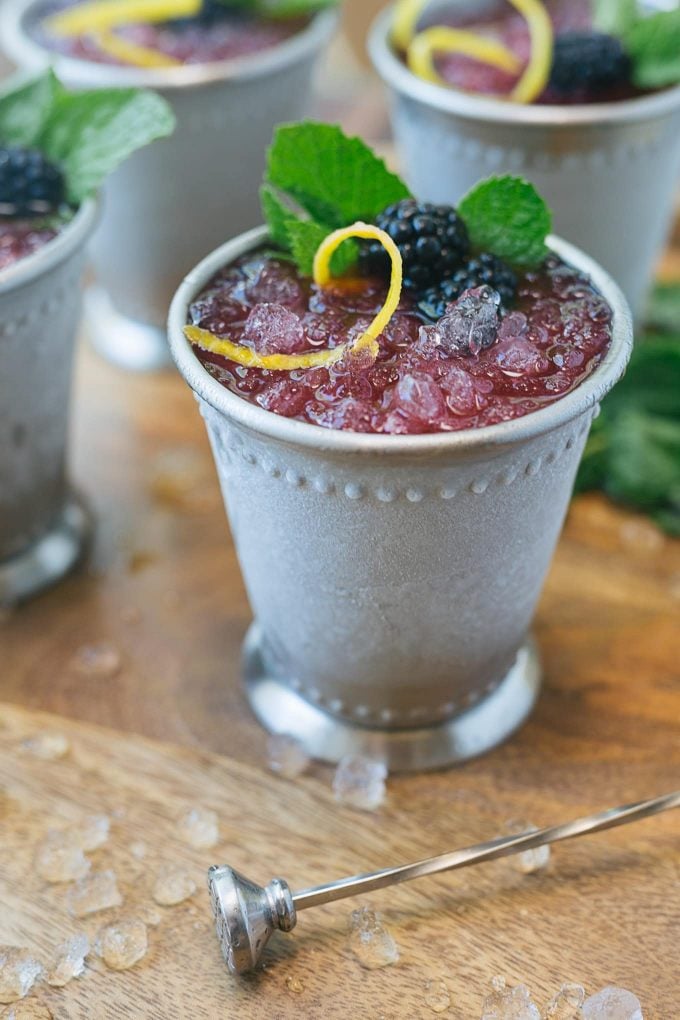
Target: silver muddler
247	914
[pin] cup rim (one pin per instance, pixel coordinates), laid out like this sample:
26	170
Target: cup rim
473	107
40	262
75	72
303	434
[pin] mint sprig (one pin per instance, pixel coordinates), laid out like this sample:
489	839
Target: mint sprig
317	180
87	133
653	44
614	16
508	217
281	8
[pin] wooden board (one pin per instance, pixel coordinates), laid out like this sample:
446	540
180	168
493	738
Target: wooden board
606	910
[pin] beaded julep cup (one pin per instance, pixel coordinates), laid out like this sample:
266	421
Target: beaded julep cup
43	525
175	200
607	170
393	579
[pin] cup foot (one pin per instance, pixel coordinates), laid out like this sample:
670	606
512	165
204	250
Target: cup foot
48	559
281	710
135	346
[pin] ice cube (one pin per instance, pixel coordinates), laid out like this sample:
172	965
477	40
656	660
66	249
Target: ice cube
274	329
513	1003
272	282
612	1003
528	861
360	782
520	358
286	756
437	996
93	893
19	971
369	940
470	324
172	886
418	396
462	396
60	857
566	1005
123	944
199	827
48	746
93	831
69	961
97	660
512	325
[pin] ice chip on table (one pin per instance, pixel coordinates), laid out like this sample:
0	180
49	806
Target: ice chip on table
172	886
60	857
69	961
566	1005
138	850
359	782
95	892
48	746
437	996
286	756
470	324
294	984
512	1003
369	940
274	329
97	660
93	831
528	861
612	1003
19	971
27	1009
199	827
123	944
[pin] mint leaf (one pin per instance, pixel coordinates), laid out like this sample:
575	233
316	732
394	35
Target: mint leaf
654	46
24	111
614	16
507	216
91	133
663	310
305	236
292	8
277	215
336	179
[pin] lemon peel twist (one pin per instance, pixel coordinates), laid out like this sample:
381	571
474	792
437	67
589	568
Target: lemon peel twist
131	53
367	341
421	48
102	15
421	51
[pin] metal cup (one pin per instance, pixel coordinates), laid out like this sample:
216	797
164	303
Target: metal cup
173	201
42	523
607	170
393	579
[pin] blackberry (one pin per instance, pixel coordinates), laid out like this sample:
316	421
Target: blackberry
29	184
588	63
432	239
484	269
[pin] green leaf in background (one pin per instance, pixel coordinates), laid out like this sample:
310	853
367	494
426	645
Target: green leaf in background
507	216
25	110
90	133
614	16
663	309
644	460
336	179
654	45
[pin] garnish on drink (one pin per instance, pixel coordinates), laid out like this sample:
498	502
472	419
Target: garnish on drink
373	312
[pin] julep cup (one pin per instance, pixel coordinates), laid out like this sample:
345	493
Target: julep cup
393	579
607	170
43	525
173	201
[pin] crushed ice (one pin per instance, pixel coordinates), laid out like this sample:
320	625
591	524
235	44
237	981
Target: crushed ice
69	961
95	892
172	886
60	857
123	944
370	941
286	756
199	827
359	782
19	970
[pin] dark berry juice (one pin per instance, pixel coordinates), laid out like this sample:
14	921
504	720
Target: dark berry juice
19	238
572	22
216	34
476	364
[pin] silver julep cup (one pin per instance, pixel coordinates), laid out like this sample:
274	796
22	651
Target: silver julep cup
393	579
178	198
608	171
42	524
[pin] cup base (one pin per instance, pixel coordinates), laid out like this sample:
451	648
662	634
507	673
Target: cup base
281	710
48	559
134	346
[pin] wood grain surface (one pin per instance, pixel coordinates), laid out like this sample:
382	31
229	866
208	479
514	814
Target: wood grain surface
606	910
